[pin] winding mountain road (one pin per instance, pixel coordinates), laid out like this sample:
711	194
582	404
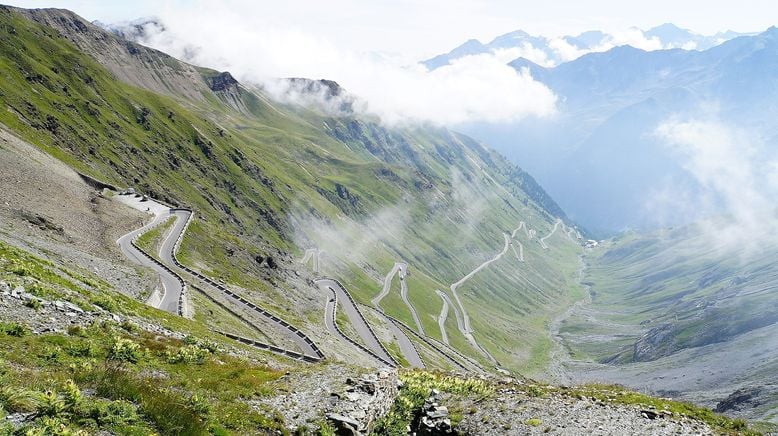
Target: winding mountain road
169	269
398	266
467	329
446	304
543	239
356	318
407	348
519	254
404	294
330	317
312	253
172	284
465	326
442	317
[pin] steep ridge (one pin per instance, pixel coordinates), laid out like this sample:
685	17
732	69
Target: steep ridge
126	60
248	173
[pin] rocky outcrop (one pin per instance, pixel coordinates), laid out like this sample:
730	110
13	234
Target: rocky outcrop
41	315
228	89
223	82
433	419
364	401
743	398
350	400
654	344
511	412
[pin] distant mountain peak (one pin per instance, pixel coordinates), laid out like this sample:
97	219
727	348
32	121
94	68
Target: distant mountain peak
516	34
668	27
552	51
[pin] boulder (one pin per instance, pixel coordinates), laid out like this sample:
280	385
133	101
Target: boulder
344	425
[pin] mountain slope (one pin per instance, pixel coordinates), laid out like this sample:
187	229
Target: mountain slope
611	106
268	180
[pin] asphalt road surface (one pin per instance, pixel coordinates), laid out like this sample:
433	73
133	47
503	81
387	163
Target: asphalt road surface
355	317
171	285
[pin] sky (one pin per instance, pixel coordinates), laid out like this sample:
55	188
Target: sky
421	28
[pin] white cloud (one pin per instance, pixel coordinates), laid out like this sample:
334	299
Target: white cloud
566	51
478	88
735	177
634	37
526	51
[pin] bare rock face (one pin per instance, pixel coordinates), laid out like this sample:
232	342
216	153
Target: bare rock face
744	398
223	82
128	61
654	344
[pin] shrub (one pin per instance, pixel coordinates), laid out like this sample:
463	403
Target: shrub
51	353
200	405
119	412
50	426
82	349
71	396
189	354
34	303
77	330
49	404
212	347
534	391
169	411
16	399
125	350
106	303
14	329
533	422
21	270
326	429
129	326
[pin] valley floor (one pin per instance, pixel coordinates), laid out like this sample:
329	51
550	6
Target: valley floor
734	375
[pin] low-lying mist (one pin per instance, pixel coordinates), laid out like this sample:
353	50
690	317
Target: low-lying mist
736	175
474	88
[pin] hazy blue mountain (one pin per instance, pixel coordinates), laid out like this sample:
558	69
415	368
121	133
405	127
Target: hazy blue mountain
546	50
610	105
470	47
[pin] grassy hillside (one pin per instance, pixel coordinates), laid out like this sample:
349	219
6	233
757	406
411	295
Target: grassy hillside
118	375
271	180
